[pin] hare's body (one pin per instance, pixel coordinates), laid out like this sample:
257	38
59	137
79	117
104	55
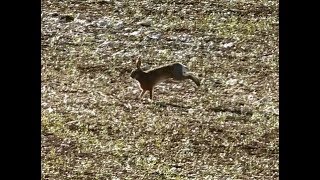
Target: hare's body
149	79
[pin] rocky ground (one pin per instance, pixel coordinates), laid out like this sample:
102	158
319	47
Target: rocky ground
94	127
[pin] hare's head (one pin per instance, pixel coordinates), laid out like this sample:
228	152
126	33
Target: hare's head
137	72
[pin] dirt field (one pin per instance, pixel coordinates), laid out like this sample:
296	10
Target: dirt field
93	125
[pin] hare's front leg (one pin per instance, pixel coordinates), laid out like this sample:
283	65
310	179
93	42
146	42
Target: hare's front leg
151	92
142	93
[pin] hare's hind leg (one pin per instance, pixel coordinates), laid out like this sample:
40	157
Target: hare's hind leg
181	73
193	78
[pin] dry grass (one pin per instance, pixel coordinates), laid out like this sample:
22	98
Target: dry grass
93	127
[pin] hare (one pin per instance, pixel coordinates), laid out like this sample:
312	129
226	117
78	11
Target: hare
149	79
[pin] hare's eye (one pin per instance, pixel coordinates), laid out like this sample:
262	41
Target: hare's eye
134	74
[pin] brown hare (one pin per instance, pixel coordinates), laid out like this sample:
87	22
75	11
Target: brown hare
149	79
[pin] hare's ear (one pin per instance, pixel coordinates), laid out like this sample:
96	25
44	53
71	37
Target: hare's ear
139	63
